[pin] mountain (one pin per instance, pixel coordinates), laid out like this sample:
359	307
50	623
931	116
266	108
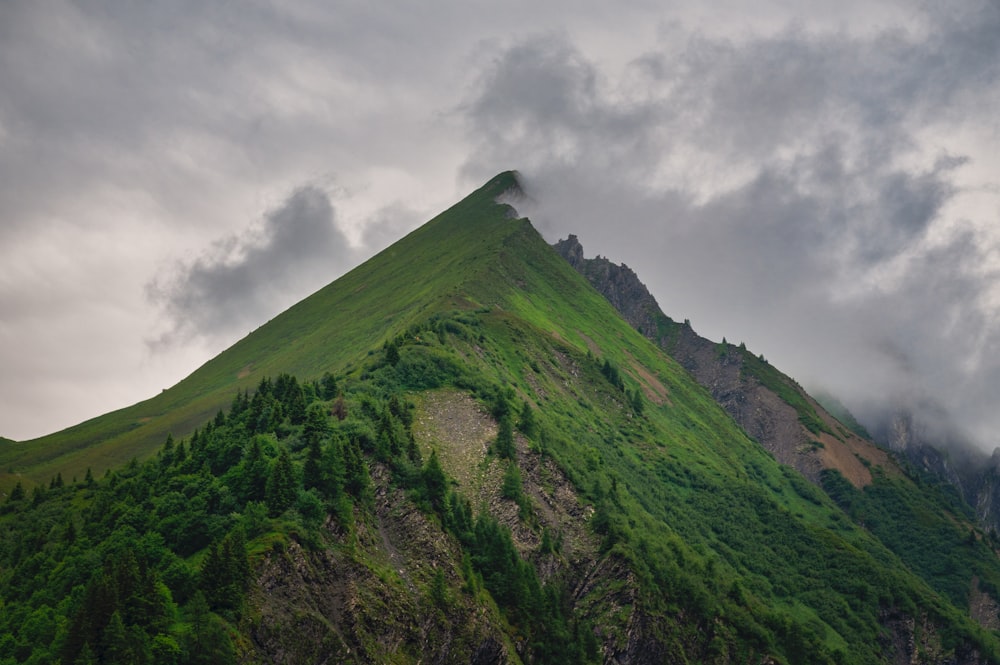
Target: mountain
775	410
800	432
328	331
771	407
944	456
461	452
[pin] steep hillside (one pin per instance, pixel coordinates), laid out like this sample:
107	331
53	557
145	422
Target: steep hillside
941	455
772	408
324	332
461	453
769	406
914	509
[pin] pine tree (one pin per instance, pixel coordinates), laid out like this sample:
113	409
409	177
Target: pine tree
400	410
206	643
240	404
317	425
180	454
333	469
527	423
200	615
254	472
69	533
281	486
612	375
225	571
312	471
439	589
505	439
435	482
329	385
293	400
86	656
392	354
356	479
115	642
412	451
636	401
511	488
17	493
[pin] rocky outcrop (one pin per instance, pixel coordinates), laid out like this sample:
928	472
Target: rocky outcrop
619	284
945	456
368	601
914	641
725	371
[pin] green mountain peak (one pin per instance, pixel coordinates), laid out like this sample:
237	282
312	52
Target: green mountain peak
455	260
460	452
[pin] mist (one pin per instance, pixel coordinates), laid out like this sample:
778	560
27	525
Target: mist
795	192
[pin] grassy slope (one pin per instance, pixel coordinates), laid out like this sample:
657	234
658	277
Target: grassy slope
926	525
691	472
692	496
321	333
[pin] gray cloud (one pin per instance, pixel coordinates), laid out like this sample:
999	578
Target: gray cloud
131	134
387	225
245	279
792	189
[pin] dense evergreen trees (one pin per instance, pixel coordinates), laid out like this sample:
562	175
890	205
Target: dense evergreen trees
150	565
169	536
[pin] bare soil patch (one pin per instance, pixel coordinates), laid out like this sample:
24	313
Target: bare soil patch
838	455
654	390
455	425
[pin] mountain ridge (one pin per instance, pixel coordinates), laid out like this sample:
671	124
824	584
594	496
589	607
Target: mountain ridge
112	439
482	461
771	407
759	405
948	458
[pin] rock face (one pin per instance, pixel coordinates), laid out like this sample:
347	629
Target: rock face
619	284
945	457
802	435
368	602
775	424
912	642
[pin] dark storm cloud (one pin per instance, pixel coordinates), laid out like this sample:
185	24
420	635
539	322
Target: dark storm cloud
787	189
244	280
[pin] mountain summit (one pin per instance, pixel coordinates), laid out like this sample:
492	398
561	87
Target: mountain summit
460	452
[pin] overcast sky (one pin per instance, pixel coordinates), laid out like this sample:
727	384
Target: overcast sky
821	182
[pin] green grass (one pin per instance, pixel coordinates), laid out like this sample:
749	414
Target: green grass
718	535
324	332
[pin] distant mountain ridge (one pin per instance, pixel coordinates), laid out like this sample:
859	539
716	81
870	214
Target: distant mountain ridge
974	474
